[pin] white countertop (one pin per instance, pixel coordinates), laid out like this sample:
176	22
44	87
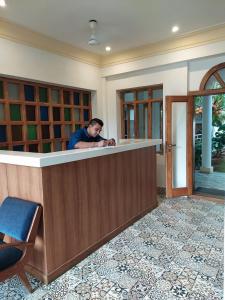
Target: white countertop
54	158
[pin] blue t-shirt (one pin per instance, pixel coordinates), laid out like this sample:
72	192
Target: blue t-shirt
81	135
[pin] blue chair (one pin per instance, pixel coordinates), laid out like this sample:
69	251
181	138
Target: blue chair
19	220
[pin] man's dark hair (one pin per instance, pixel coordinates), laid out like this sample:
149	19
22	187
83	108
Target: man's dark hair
96	121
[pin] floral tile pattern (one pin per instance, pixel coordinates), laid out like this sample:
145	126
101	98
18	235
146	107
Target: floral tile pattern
174	252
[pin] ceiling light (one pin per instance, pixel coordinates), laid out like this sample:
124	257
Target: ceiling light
108	48
175	28
2	3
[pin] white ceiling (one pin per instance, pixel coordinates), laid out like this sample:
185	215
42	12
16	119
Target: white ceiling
122	24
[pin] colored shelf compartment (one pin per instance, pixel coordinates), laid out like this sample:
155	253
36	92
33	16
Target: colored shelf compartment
15	113
55	95
32	132
77	126
67	114
86	99
57	131
77	114
45	133
56	113
76	98
30	113
18	147
29	92
17	133
66	97
3	133
1	90
33	147
43	94
58	146
2	112
44	113
86	115
14	91
46	147
68	131
4	147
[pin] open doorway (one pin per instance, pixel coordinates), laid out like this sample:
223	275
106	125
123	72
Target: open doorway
209	150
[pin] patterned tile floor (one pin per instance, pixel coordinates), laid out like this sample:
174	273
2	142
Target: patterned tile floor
174	252
214	180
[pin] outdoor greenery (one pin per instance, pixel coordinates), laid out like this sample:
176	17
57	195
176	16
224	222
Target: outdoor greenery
218	121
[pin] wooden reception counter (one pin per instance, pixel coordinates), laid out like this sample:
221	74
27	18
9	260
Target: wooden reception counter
88	196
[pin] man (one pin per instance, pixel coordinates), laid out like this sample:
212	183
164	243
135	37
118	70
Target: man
88	137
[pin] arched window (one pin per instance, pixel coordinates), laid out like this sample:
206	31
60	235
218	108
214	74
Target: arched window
214	79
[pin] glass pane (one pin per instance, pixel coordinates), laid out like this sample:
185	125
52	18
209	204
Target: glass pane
67	114
15	114
222	74
3	136
129	96
56	113
46	147
76	98
17	133
33	148
44	113
57	131
45	132
85	99
77	114
43	94
66	97
142	95
30	113
14	91
31	132
68	130
58	146
179	132
86	115
2	112
142	110
29	92
55	96
213	84
18	148
156	122
1	90
157	94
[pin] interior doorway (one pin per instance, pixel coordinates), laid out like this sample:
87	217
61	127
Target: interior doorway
209	145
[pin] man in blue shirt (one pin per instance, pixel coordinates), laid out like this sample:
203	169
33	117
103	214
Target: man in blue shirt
88	137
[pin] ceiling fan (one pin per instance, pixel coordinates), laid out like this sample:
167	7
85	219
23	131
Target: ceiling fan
93	40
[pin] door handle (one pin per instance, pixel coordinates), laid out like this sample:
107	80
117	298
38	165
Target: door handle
170	146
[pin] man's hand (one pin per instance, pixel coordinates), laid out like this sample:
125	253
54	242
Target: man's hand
111	142
102	143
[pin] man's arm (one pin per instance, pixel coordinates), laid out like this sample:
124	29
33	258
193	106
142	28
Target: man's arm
83	145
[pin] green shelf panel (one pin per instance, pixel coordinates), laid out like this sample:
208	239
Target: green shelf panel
14	91
77	114
67	114
55	94
32	132
17	132
1	90
68	131
85	99
2	112
15	113
45	132
43	94
56	113
46	147
66	97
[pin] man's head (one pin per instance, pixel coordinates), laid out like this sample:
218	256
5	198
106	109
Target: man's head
95	127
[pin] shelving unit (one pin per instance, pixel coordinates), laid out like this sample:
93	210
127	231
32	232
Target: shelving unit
39	117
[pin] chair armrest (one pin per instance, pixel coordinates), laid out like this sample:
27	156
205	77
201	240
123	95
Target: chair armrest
20	245
1	236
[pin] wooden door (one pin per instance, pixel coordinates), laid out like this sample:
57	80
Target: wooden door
179	145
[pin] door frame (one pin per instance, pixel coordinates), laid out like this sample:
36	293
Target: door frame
183	191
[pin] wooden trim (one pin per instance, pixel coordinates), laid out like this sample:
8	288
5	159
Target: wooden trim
206	92
209	74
